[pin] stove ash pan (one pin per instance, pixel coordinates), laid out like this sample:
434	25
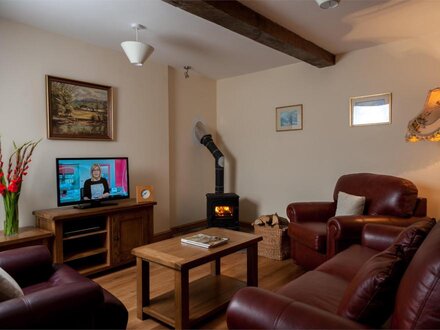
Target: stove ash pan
222	210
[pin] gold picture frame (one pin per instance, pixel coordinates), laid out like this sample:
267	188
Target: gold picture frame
78	110
144	194
369	110
289	118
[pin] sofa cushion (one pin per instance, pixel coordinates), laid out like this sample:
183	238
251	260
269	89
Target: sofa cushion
348	262
369	297
349	204
317	289
418	297
385	194
410	239
311	234
9	289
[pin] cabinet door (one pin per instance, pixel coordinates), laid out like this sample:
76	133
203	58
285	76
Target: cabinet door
129	230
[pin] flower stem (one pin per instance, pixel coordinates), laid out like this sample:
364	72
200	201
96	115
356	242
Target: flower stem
10	201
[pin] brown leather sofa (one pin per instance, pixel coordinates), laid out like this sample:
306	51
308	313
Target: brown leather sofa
316	299
316	234
55	296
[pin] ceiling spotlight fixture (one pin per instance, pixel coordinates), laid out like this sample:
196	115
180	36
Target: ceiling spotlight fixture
325	4
136	51
187	68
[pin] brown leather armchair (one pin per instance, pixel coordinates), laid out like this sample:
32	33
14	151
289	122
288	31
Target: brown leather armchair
55	296
316	234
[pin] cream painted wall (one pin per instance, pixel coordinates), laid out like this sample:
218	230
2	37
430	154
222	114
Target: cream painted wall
141	113
156	109
270	169
192	172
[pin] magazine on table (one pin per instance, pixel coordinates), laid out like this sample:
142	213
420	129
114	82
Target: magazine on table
204	240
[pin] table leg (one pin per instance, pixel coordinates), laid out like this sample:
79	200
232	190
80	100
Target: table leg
216	267
181	297
252	265
142	286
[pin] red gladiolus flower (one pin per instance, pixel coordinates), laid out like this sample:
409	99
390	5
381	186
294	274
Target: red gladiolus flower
13	186
18	166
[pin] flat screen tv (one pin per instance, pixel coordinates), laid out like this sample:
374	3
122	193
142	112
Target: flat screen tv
91	182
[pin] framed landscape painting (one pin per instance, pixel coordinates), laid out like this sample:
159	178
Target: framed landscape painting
289	118
78	110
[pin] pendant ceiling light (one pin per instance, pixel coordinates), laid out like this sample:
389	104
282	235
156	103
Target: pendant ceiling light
325	4
136	51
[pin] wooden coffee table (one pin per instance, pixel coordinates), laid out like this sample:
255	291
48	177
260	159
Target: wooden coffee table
190	302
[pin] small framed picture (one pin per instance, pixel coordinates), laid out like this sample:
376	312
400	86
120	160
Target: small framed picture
370	110
289	118
78	110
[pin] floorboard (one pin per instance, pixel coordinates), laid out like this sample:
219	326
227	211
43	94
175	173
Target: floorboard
272	275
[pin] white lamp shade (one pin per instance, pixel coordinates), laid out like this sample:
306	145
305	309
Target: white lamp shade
136	51
325	4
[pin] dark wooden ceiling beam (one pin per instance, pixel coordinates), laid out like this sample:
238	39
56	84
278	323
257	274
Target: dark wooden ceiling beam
236	17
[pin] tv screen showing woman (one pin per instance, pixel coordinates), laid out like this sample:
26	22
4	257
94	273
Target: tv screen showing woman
87	180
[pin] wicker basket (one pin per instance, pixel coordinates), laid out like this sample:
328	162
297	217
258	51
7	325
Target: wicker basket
275	243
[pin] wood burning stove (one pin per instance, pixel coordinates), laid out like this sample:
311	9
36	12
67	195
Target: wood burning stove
221	209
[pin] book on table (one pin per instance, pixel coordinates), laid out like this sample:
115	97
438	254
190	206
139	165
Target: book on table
204	240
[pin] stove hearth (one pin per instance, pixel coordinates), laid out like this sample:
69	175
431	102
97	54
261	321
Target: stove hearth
222	210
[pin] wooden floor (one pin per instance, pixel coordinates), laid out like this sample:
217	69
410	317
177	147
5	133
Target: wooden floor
272	275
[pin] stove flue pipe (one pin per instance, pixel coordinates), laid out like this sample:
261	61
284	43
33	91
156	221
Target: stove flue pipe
205	138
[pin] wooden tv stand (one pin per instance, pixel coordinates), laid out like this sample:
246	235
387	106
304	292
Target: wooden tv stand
97	239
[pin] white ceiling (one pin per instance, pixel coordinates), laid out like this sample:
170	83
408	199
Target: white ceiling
183	39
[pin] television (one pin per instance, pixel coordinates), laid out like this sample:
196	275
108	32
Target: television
92	182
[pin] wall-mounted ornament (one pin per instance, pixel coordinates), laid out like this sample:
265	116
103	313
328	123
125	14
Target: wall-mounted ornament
426	126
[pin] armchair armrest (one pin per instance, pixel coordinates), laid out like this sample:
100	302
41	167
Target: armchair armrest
379	237
344	231
254	308
65	306
311	211
27	265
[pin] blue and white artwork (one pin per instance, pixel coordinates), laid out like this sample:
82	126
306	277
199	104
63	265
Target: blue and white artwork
289	118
